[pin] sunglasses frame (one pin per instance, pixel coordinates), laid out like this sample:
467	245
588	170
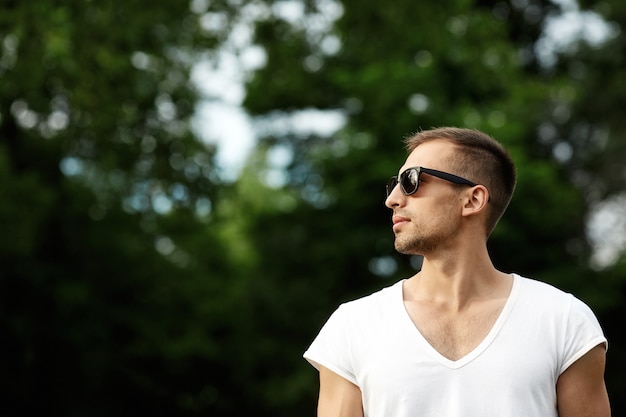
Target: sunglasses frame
393	181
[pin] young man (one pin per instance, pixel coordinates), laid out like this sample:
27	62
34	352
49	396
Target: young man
459	338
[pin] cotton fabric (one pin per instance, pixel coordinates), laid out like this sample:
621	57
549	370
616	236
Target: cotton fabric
373	343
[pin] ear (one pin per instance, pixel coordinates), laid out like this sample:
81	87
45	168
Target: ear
475	200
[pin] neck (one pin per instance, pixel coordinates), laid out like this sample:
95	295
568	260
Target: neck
459	278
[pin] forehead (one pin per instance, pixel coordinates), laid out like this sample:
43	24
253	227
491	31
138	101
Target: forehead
435	154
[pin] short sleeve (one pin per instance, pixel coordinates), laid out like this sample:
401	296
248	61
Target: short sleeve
332	346
583	333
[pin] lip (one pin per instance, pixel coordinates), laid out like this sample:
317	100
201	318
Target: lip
398	221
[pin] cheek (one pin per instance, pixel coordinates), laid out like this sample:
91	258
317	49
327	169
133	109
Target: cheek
445	216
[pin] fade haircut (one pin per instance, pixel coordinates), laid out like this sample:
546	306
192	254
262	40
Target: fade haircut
479	158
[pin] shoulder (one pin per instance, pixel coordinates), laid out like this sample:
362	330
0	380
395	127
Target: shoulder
542	293
547	301
374	301
368	311
352	326
567	321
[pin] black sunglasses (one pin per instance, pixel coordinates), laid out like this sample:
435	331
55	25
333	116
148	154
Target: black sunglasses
410	179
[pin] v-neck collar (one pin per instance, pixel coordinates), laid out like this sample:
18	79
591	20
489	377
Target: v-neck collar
478	350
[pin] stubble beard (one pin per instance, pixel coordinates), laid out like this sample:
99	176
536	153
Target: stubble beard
425	240
415	244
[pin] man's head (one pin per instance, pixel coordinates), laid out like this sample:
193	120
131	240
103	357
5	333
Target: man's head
480	159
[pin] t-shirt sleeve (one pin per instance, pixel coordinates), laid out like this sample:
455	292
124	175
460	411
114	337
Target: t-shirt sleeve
582	334
332	346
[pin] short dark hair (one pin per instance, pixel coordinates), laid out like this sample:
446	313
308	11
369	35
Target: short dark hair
481	159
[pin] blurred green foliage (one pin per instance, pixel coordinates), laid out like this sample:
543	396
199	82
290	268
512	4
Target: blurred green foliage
135	279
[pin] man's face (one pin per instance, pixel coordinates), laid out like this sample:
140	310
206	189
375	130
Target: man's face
430	218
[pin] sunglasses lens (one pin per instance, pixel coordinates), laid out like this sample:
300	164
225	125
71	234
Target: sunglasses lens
391	184
409	181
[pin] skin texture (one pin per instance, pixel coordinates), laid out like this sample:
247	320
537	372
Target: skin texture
581	390
338	396
458	295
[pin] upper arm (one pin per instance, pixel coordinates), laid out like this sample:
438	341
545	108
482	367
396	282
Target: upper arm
580	390
338	396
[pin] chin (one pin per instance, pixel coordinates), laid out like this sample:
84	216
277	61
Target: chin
408	250
414	246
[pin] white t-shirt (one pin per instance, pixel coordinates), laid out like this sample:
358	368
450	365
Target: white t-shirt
540	332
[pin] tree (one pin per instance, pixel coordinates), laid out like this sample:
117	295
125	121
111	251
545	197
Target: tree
135	280
112	257
594	133
393	70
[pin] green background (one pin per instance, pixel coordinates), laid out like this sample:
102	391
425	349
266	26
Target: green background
137	278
